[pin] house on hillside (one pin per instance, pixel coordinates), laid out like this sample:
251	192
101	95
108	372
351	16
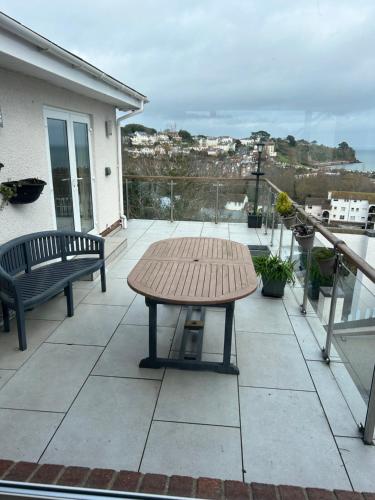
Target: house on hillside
350	206
318	207
58	123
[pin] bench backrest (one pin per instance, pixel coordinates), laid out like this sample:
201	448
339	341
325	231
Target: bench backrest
23	253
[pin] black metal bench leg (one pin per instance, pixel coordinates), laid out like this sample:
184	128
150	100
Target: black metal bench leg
20	316
5	310
151	361
69	299
102	278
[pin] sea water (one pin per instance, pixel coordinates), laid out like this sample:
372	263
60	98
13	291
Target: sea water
366	156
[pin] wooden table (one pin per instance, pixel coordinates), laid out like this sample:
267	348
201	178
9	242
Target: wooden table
195	272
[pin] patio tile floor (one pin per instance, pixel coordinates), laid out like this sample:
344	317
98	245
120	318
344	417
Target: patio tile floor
285	419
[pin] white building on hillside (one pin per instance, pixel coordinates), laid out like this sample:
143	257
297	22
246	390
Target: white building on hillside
349	206
318	207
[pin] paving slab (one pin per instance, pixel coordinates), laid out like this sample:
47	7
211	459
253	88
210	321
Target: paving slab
37	332
309	345
107	425
25	434
286	440
121	268
90	325
263	315
138	314
55	309
118	294
193	450
336	408
5	375
274	361
198	397
359	461
50	379
127	347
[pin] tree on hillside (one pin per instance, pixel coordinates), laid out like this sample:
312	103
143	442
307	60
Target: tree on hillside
261	135
136	127
185	135
343	145
291	140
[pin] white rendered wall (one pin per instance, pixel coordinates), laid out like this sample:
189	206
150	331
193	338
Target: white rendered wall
24	151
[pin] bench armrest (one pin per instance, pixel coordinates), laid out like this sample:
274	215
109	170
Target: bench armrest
8	289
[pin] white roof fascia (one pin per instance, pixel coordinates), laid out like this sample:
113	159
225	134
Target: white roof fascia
33	54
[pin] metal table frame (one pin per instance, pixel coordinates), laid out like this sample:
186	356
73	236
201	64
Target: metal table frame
153	361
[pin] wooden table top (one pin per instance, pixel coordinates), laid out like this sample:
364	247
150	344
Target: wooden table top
194	271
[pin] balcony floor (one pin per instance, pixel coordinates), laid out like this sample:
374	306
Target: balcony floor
77	396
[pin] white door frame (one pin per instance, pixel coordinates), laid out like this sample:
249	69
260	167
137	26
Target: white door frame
69	117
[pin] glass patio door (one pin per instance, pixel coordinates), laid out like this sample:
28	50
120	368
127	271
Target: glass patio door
70	159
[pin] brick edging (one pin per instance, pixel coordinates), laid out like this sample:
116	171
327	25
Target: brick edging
161	484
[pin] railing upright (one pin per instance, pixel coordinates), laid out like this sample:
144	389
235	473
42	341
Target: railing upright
273	221
217	203
303	306
281	239
368	429
127	198
326	351
172	200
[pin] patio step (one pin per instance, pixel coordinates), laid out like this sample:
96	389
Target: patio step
160	484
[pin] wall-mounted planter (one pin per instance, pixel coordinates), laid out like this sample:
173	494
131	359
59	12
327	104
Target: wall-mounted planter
254	221
25	190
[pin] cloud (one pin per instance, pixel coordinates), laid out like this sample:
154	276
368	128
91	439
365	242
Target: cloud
228	67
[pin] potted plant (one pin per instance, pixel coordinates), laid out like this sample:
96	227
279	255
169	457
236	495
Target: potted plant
285	208
24	190
316	279
275	273
304	235
254	220
326	259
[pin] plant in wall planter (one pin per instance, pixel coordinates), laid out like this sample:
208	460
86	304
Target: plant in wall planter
304	236
23	190
275	273
285	208
7	194
326	260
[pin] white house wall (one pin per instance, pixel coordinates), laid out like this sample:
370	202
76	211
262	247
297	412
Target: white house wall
24	150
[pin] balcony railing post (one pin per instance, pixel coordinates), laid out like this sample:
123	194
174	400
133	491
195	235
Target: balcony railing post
269	202
127	198
326	351
281	239
217	204
306	284
368	429
291	248
273	224
172	201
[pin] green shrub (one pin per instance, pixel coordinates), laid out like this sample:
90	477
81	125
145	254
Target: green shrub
271	267
284	205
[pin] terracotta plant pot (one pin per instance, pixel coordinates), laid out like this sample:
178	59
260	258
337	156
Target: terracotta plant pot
289	221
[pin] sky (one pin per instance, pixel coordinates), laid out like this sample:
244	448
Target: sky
214	67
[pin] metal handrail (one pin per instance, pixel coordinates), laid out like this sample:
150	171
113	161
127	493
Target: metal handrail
341	246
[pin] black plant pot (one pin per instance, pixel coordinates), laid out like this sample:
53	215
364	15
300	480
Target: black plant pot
27	190
254	221
327	266
273	288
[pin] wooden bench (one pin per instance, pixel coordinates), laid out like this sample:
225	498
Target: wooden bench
26	283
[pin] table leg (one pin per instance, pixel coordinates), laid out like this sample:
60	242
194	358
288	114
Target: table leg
229	312
151	361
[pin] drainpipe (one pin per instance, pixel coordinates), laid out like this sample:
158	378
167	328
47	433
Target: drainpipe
119	159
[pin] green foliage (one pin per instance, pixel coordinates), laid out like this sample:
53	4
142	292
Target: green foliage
135	127
323	253
185	135
291	140
272	268
284	205
261	135
7	193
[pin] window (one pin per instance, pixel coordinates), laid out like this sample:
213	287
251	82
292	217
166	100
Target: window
342	209
352	209
363	218
352	217
342	217
334	216
310	206
335	199
357	209
334	208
